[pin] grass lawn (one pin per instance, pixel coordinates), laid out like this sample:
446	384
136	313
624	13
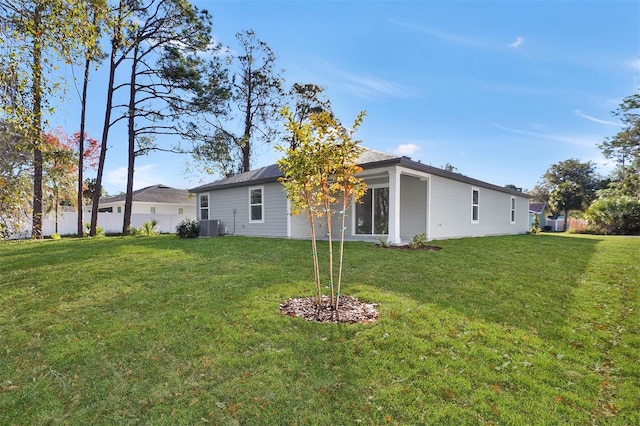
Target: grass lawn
498	330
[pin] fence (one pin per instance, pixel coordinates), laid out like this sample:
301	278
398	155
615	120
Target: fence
111	222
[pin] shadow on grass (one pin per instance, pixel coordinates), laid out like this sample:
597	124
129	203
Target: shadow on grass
522	281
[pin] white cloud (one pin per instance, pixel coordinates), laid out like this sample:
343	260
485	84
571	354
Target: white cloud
459	39
517	43
367	87
595	120
634	64
579	140
407	149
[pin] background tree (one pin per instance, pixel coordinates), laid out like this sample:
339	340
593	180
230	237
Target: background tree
307	99
35	36
256	95
60	169
59	172
572	186
15	181
97	11
162	42
624	149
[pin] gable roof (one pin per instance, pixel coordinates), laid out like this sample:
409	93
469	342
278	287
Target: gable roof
369	159
155	194
537	207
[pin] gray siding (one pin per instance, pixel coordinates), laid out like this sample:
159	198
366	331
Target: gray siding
223	202
413	206
451	211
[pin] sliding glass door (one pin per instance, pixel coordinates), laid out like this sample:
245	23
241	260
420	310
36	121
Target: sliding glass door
372	214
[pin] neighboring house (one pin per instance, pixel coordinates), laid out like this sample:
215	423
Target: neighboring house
404	198
544	214
156	199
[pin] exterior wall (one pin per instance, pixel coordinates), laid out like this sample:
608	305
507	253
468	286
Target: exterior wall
413	207
223	203
451	211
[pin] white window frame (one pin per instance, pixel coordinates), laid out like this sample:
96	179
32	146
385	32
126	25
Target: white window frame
119	209
261	204
180	210
200	208
512	210
152	210
475	206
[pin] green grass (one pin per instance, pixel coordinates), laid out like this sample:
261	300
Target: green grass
499	330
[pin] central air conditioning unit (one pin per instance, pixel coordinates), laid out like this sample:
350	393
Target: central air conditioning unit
209	228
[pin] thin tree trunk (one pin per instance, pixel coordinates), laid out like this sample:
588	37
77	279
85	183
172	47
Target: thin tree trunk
36	133
106	126
327	212
341	255
85	84
128	201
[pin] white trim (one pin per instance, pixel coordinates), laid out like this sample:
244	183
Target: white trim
394	206
288	218
200	208
477	205
252	188
354	227
428	208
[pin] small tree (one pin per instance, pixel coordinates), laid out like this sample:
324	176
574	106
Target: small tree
320	174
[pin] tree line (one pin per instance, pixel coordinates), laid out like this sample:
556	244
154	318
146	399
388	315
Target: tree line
610	204
167	76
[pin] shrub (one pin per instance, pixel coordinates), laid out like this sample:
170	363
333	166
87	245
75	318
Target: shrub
188	229
148	229
418	241
615	215
99	230
535	225
55	236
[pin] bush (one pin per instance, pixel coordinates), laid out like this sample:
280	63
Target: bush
615	215
535	226
188	229
148	229
418	241
99	230
55	236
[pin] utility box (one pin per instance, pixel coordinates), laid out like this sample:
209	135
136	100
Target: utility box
209	228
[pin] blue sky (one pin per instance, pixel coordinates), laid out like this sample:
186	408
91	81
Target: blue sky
499	89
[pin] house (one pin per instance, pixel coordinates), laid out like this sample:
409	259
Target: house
156	199
404	198
544	214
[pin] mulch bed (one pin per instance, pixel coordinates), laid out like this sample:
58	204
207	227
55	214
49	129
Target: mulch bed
350	310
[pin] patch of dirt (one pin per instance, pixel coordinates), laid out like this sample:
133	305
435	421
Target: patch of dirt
350	310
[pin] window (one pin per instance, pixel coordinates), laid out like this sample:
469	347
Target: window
372	214
119	209
152	210
180	210
256	205
513	209
204	207
475	205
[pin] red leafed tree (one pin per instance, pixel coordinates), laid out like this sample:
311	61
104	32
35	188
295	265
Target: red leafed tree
60	168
